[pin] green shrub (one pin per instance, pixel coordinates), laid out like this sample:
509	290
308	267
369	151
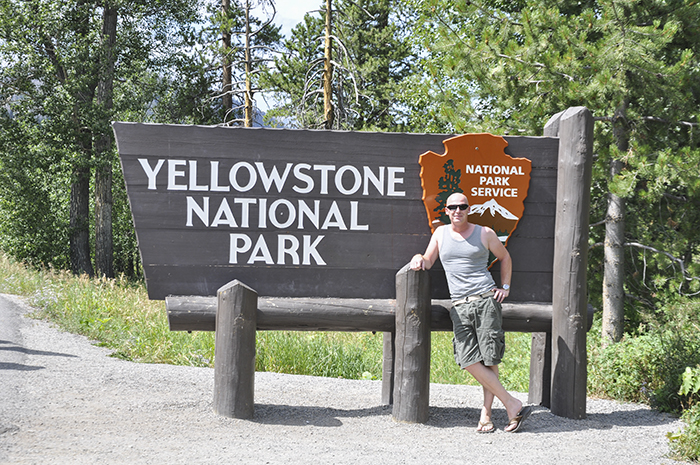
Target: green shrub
626	370
648	368
685	445
690	385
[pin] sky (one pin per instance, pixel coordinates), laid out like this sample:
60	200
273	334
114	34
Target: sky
291	12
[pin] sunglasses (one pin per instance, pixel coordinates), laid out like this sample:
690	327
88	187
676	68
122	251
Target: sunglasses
462	207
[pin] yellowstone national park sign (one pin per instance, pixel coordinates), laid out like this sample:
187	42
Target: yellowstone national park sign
302	213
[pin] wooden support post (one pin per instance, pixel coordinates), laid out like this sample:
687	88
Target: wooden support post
388	368
412	363
541	349
569	296
539	392
234	352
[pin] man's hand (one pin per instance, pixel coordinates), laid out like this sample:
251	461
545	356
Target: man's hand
417	262
500	294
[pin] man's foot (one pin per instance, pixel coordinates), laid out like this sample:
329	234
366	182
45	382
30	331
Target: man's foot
485	427
513	407
485	424
517	421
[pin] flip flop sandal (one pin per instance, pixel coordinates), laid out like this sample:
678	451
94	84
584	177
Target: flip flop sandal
519	419
490	428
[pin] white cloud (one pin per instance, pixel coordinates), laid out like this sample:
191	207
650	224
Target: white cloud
291	12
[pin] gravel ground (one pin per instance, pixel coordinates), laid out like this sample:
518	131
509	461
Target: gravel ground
63	400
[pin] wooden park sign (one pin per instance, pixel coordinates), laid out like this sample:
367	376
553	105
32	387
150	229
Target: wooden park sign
301	213
319	222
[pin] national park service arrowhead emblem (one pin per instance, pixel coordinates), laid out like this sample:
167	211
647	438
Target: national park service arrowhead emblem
495	183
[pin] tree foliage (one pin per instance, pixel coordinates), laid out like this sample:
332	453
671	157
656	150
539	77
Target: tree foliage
507	67
63	80
370	58
295	78
483	65
239	45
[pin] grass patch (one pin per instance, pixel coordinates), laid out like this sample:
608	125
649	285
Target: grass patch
118	315
514	369
331	354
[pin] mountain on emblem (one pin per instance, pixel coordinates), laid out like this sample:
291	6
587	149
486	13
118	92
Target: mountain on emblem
497	217
493	207
476	165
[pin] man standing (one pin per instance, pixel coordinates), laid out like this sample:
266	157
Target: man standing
479	340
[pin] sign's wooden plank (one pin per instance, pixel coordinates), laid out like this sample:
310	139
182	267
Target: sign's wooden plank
360	191
197	313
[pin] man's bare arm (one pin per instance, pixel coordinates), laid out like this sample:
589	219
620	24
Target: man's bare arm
426	260
496	247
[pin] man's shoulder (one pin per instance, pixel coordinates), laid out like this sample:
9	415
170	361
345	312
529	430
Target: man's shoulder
487	230
438	233
439	230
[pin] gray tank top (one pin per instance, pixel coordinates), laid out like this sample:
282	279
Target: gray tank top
466	264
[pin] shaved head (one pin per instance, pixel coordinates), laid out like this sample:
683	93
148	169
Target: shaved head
457	198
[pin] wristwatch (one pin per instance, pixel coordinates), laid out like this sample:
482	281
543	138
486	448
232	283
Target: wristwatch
506	287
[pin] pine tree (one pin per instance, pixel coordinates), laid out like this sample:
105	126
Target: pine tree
369	60
379	57
507	67
295	78
68	69
242	44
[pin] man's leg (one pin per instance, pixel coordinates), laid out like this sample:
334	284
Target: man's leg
488	404
488	379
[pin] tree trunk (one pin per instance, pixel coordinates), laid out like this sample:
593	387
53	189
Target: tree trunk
79	222
248	107
227	99
103	149
103	220
328	72
613	278
79	226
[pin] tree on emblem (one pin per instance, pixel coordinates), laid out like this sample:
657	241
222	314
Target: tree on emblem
448	185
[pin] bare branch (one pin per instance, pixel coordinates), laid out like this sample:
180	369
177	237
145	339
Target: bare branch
679	261
640	300
675	260
270	19
653	119
671	257
675	197
536	65
364	10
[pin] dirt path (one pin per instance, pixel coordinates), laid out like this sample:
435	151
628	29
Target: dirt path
65	401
